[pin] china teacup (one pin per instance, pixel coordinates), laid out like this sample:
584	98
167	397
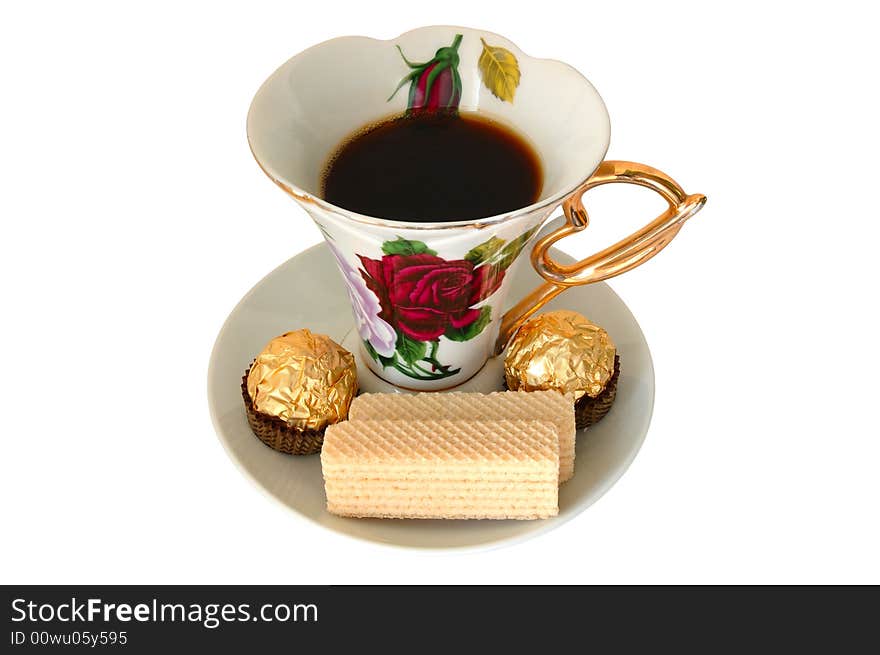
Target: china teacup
428	298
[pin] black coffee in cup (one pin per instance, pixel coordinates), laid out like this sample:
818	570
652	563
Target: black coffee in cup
434	167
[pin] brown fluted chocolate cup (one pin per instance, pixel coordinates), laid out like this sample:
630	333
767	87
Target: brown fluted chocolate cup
277	434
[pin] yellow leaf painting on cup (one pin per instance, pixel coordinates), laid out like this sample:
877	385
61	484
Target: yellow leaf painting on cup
500	71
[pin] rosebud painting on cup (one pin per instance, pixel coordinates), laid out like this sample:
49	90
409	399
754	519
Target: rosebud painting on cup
434	84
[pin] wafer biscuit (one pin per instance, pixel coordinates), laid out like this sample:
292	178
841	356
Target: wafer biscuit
442	469
549	406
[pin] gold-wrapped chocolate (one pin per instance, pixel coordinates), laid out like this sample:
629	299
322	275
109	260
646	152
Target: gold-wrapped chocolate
305	379
560	350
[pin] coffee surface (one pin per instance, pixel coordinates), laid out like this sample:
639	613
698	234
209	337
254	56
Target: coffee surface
434	168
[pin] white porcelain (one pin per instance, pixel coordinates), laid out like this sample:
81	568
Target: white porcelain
315	100
306	291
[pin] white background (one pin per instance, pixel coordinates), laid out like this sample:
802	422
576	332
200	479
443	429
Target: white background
134	218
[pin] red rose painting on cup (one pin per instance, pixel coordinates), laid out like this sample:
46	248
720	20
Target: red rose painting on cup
425	298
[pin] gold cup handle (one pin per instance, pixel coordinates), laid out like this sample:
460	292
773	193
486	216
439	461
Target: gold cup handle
623	256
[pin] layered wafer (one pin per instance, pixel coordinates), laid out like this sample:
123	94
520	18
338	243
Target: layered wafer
549	406
442	469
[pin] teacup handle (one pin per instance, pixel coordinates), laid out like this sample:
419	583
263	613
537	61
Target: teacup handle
623	256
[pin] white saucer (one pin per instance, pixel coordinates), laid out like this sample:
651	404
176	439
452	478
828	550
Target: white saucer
307	291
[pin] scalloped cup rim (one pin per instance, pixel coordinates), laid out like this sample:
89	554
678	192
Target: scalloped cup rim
306	197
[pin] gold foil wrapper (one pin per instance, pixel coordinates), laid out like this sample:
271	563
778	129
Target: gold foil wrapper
560	350
305	379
